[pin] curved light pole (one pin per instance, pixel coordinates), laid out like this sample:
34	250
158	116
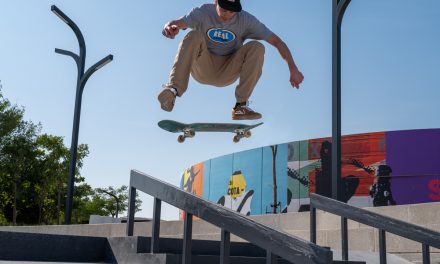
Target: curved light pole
80	84
339	8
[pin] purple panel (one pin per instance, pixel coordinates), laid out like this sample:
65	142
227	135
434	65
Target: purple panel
414	157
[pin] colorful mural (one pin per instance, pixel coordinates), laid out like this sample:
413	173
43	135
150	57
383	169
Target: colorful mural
378	169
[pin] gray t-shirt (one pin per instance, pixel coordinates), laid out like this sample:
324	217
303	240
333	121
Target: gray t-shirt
224	38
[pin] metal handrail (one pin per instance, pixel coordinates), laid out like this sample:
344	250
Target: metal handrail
383	223
276	243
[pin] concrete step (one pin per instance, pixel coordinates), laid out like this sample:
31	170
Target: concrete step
42	262
160	258
15	246
136	250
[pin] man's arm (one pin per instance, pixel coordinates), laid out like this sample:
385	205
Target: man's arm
171	29
296	76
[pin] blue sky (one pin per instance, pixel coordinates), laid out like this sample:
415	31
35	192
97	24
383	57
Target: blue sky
390	79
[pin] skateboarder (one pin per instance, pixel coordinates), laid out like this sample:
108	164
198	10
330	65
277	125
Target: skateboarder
214	53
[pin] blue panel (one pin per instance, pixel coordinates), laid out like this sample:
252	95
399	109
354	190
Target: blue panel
249	163
206	179
220	173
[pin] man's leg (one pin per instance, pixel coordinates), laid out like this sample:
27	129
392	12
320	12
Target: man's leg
247	62
192	46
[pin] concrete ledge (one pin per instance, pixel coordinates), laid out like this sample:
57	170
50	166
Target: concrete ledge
46	247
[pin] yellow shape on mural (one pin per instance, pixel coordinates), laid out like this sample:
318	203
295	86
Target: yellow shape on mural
186	176
237	185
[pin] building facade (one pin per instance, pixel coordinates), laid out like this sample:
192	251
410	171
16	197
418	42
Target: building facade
378	169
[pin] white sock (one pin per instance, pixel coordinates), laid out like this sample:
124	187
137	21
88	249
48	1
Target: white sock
174	90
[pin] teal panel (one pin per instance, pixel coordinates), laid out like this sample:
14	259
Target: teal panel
293	184
299	167
304	169
280	161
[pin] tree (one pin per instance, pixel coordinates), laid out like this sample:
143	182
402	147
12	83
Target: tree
18	155
33	170
34	173
115	200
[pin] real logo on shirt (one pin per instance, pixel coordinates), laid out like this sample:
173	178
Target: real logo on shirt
221	35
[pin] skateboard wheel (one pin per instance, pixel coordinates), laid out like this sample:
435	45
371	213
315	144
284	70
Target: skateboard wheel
180	139
248	133
191	133
236	139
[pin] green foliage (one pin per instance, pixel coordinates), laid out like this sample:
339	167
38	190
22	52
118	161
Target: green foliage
34	174
115	200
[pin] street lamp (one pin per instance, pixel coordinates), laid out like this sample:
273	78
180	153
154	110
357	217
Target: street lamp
339	8
80	84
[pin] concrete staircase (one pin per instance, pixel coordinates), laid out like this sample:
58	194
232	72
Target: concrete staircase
32	248
134	250
363	240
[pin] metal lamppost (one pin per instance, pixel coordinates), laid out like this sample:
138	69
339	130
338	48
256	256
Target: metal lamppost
339	8
81	82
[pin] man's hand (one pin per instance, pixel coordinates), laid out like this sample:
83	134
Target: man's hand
296	78
170	31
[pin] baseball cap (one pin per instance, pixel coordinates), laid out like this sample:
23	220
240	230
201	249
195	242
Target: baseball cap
231	5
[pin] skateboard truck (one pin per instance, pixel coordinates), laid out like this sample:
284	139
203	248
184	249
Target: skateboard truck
187	133
240	133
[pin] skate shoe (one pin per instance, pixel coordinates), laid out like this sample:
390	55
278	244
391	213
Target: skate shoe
244	112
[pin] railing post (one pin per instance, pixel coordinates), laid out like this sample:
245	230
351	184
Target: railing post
187	239
155	230
382	247
131	210
270	258
225	247
425	252
312	224
344	238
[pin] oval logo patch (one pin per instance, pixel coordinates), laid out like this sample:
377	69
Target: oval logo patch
220	35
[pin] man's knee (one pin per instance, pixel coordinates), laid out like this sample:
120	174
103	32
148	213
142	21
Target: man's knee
256	46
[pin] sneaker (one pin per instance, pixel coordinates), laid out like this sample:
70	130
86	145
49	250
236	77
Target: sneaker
167	97
243	112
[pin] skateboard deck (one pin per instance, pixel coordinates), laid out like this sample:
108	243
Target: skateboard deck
189	130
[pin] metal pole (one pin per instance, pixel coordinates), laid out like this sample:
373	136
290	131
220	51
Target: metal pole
344	238
270	257
225	247
81	82
131	211
339	7
425	254
382	247
312	224
155	227
187	239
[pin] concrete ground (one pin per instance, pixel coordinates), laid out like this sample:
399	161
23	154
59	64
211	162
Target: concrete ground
370	257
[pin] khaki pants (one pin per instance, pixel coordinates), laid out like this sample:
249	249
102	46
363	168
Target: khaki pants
194	58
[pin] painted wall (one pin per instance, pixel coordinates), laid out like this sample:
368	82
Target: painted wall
378	169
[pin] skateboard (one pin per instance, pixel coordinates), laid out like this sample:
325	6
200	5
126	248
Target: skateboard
189	130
